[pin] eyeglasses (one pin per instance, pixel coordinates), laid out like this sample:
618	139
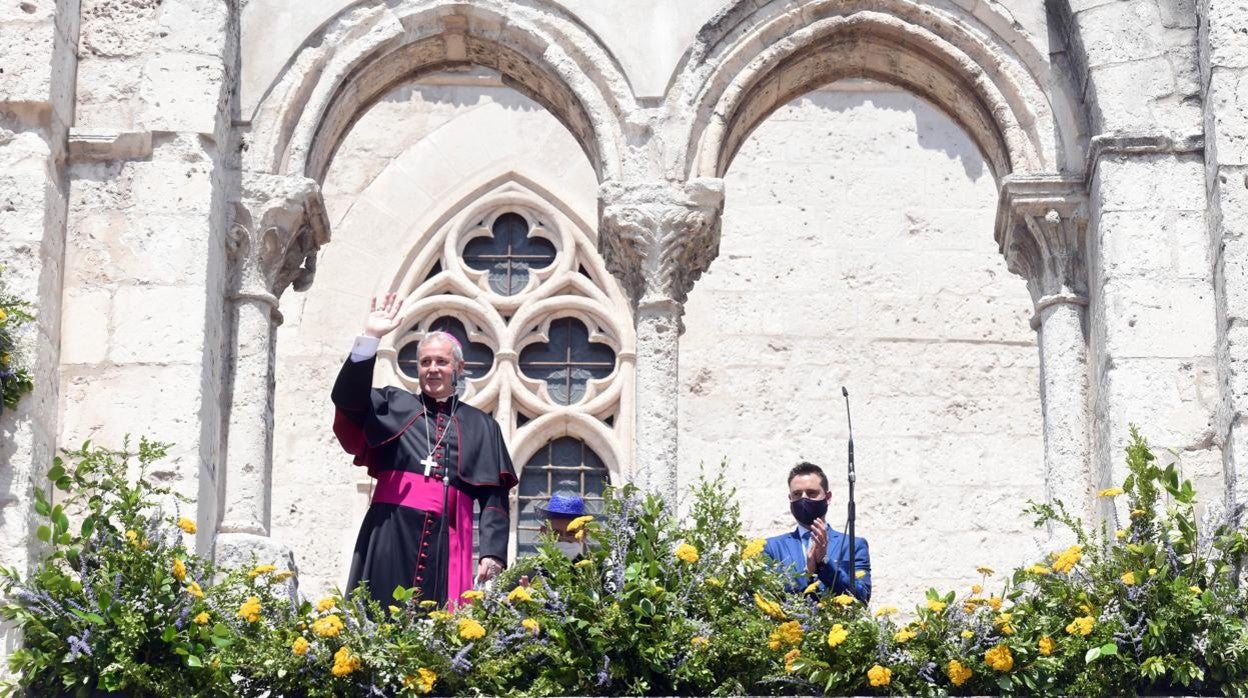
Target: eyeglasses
816	495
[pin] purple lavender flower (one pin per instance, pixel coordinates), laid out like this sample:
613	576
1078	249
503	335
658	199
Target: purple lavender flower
78	645
604	677
460	663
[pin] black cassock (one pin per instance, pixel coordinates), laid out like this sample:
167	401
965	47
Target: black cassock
404	539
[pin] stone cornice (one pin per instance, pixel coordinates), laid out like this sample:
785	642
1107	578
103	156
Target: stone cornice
1041	229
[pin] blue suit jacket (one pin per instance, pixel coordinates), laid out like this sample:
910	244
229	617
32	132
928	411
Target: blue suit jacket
833	575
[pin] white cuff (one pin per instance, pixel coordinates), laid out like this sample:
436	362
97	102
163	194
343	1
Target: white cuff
364	348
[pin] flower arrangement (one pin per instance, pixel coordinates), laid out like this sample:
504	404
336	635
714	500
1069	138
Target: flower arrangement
655	606
15	379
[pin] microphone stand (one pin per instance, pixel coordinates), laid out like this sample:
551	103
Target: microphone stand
849	528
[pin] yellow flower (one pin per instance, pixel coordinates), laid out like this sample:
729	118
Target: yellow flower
250	610
519	594
422	681
582	564
1068	558
698	641
427	603
1046	646
186	525
985	570
473	595
202	618
999	658
439	615
837	635
936	606
1194	589
885	611
179	569
1138	512
787	634
344	662
1081	626
132	537
326	604
470	629
976	588
329	626
261	569
394	610
576	524
957	672
714	582
842	600
1152	571
752	549
771	608
1128	578
194	590
282	576
1003	622
789	657
1120	533
994	602
531	625
3	315
904	635
968	634
687	553
811	588
299	647
1040	570
1110	492
879	676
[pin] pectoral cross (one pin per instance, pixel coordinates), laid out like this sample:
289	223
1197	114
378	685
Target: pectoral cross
429	464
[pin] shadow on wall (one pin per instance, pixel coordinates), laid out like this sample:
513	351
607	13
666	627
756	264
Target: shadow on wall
936	131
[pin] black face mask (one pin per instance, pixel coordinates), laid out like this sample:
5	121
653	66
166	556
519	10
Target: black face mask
807	510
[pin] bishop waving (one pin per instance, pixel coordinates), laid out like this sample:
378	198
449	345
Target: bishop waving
432	457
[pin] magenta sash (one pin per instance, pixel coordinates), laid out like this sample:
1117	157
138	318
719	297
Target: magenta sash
415	491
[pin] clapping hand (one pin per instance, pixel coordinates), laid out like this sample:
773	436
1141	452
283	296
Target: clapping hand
818	546
382	316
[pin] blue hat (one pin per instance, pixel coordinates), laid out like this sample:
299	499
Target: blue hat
563	505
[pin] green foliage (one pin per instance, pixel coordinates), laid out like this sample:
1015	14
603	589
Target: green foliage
656	605
109	607
15	379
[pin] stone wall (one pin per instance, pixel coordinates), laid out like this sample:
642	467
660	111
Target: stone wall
145	263
857	251
36	111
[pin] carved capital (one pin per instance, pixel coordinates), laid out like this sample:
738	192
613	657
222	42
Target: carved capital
1042	231
658	238
279	224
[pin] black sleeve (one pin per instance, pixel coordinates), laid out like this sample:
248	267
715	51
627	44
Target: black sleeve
353	390
495	522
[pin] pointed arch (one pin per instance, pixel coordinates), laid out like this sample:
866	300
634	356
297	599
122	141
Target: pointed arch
982	72
371	46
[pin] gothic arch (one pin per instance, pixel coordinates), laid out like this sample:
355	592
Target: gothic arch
974	66
369	47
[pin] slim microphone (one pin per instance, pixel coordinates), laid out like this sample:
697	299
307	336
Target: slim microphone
849	422
852	513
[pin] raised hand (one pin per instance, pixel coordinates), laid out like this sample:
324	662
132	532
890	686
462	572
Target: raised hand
382	317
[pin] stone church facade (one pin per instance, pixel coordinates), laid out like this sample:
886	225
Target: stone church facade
667	233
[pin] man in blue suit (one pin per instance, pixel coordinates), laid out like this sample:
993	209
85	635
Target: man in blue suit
813	552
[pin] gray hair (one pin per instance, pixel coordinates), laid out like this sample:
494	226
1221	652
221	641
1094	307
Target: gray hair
446	337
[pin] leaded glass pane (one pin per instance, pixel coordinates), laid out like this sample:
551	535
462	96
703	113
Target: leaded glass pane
509	254
563	465
568	361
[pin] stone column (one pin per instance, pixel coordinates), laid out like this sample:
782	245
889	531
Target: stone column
658	238
1042	231
279	224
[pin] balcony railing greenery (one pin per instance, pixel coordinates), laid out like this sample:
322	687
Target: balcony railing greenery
659	605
